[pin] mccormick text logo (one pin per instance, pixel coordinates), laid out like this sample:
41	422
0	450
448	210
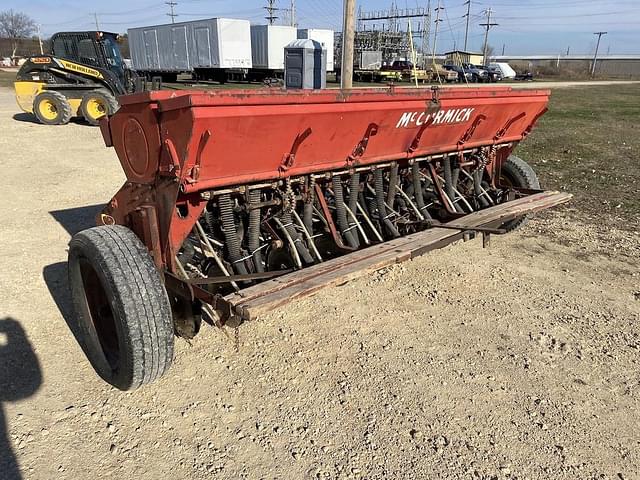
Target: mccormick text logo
444	116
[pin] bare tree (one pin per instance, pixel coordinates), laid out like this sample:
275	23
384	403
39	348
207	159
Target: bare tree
16	25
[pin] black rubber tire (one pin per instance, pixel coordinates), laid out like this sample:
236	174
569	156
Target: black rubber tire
125	325
106	97
518	173
61	103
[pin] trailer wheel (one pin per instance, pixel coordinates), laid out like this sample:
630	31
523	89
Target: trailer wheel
515	172
122	308
96	104
52	108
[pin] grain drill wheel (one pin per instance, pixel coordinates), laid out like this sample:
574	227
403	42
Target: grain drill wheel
96	104
517	173
122	308
52	108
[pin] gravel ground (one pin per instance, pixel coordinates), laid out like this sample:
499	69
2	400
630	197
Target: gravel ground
520	361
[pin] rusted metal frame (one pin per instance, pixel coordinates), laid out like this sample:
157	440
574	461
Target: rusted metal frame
465	228
307	235
174	168
415	143
444	199
503	130
332	226
292	243
468	134
488	217
527	131
239	278
361	148
192	292
151	233
184	99
213	184
194	173
289	158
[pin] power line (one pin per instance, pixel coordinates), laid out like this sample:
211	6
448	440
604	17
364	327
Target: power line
595	56
488	26
466	30
435	33
173	15
271	9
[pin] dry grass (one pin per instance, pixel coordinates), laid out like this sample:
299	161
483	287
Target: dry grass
588	144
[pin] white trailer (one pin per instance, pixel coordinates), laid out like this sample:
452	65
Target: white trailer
267	45
208	48
324	37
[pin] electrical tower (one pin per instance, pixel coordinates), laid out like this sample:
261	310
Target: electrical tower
173	15
271	10
391	39
426	29
488	26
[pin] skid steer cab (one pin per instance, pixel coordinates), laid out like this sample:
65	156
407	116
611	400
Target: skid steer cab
82	77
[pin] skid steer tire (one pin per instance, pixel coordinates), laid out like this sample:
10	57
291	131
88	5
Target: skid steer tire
123	312
517	173
96	104
52	108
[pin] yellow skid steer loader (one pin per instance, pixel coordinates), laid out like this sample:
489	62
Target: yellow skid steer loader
82	77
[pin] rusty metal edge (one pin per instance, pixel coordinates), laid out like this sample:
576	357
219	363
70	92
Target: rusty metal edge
253	301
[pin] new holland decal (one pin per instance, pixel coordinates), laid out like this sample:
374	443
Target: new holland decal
80	68
441	117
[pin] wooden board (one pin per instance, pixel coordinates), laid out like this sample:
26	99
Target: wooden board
259	299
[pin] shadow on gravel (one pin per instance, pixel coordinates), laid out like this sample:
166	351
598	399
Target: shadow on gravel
73	220
20	377
29	118
26	117
76	219
55	276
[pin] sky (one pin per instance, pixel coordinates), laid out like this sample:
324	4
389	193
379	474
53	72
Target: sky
524	26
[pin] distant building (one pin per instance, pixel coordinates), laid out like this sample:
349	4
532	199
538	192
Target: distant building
457	57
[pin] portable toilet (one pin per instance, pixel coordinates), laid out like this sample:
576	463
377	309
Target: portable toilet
305	65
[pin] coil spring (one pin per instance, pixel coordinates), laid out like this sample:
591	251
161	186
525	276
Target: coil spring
230	234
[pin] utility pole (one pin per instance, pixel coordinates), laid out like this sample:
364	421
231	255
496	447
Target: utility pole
595	56
503	46
40	40
488	26
348	39
173	15
293	13
271	9
568	48
95	16
466	30
435	33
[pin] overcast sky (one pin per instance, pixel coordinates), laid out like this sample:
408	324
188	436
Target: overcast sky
525	26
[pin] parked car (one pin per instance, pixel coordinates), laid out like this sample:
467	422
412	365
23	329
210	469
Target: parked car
495	75
441	74
524	76
505	69
464	75
479	74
